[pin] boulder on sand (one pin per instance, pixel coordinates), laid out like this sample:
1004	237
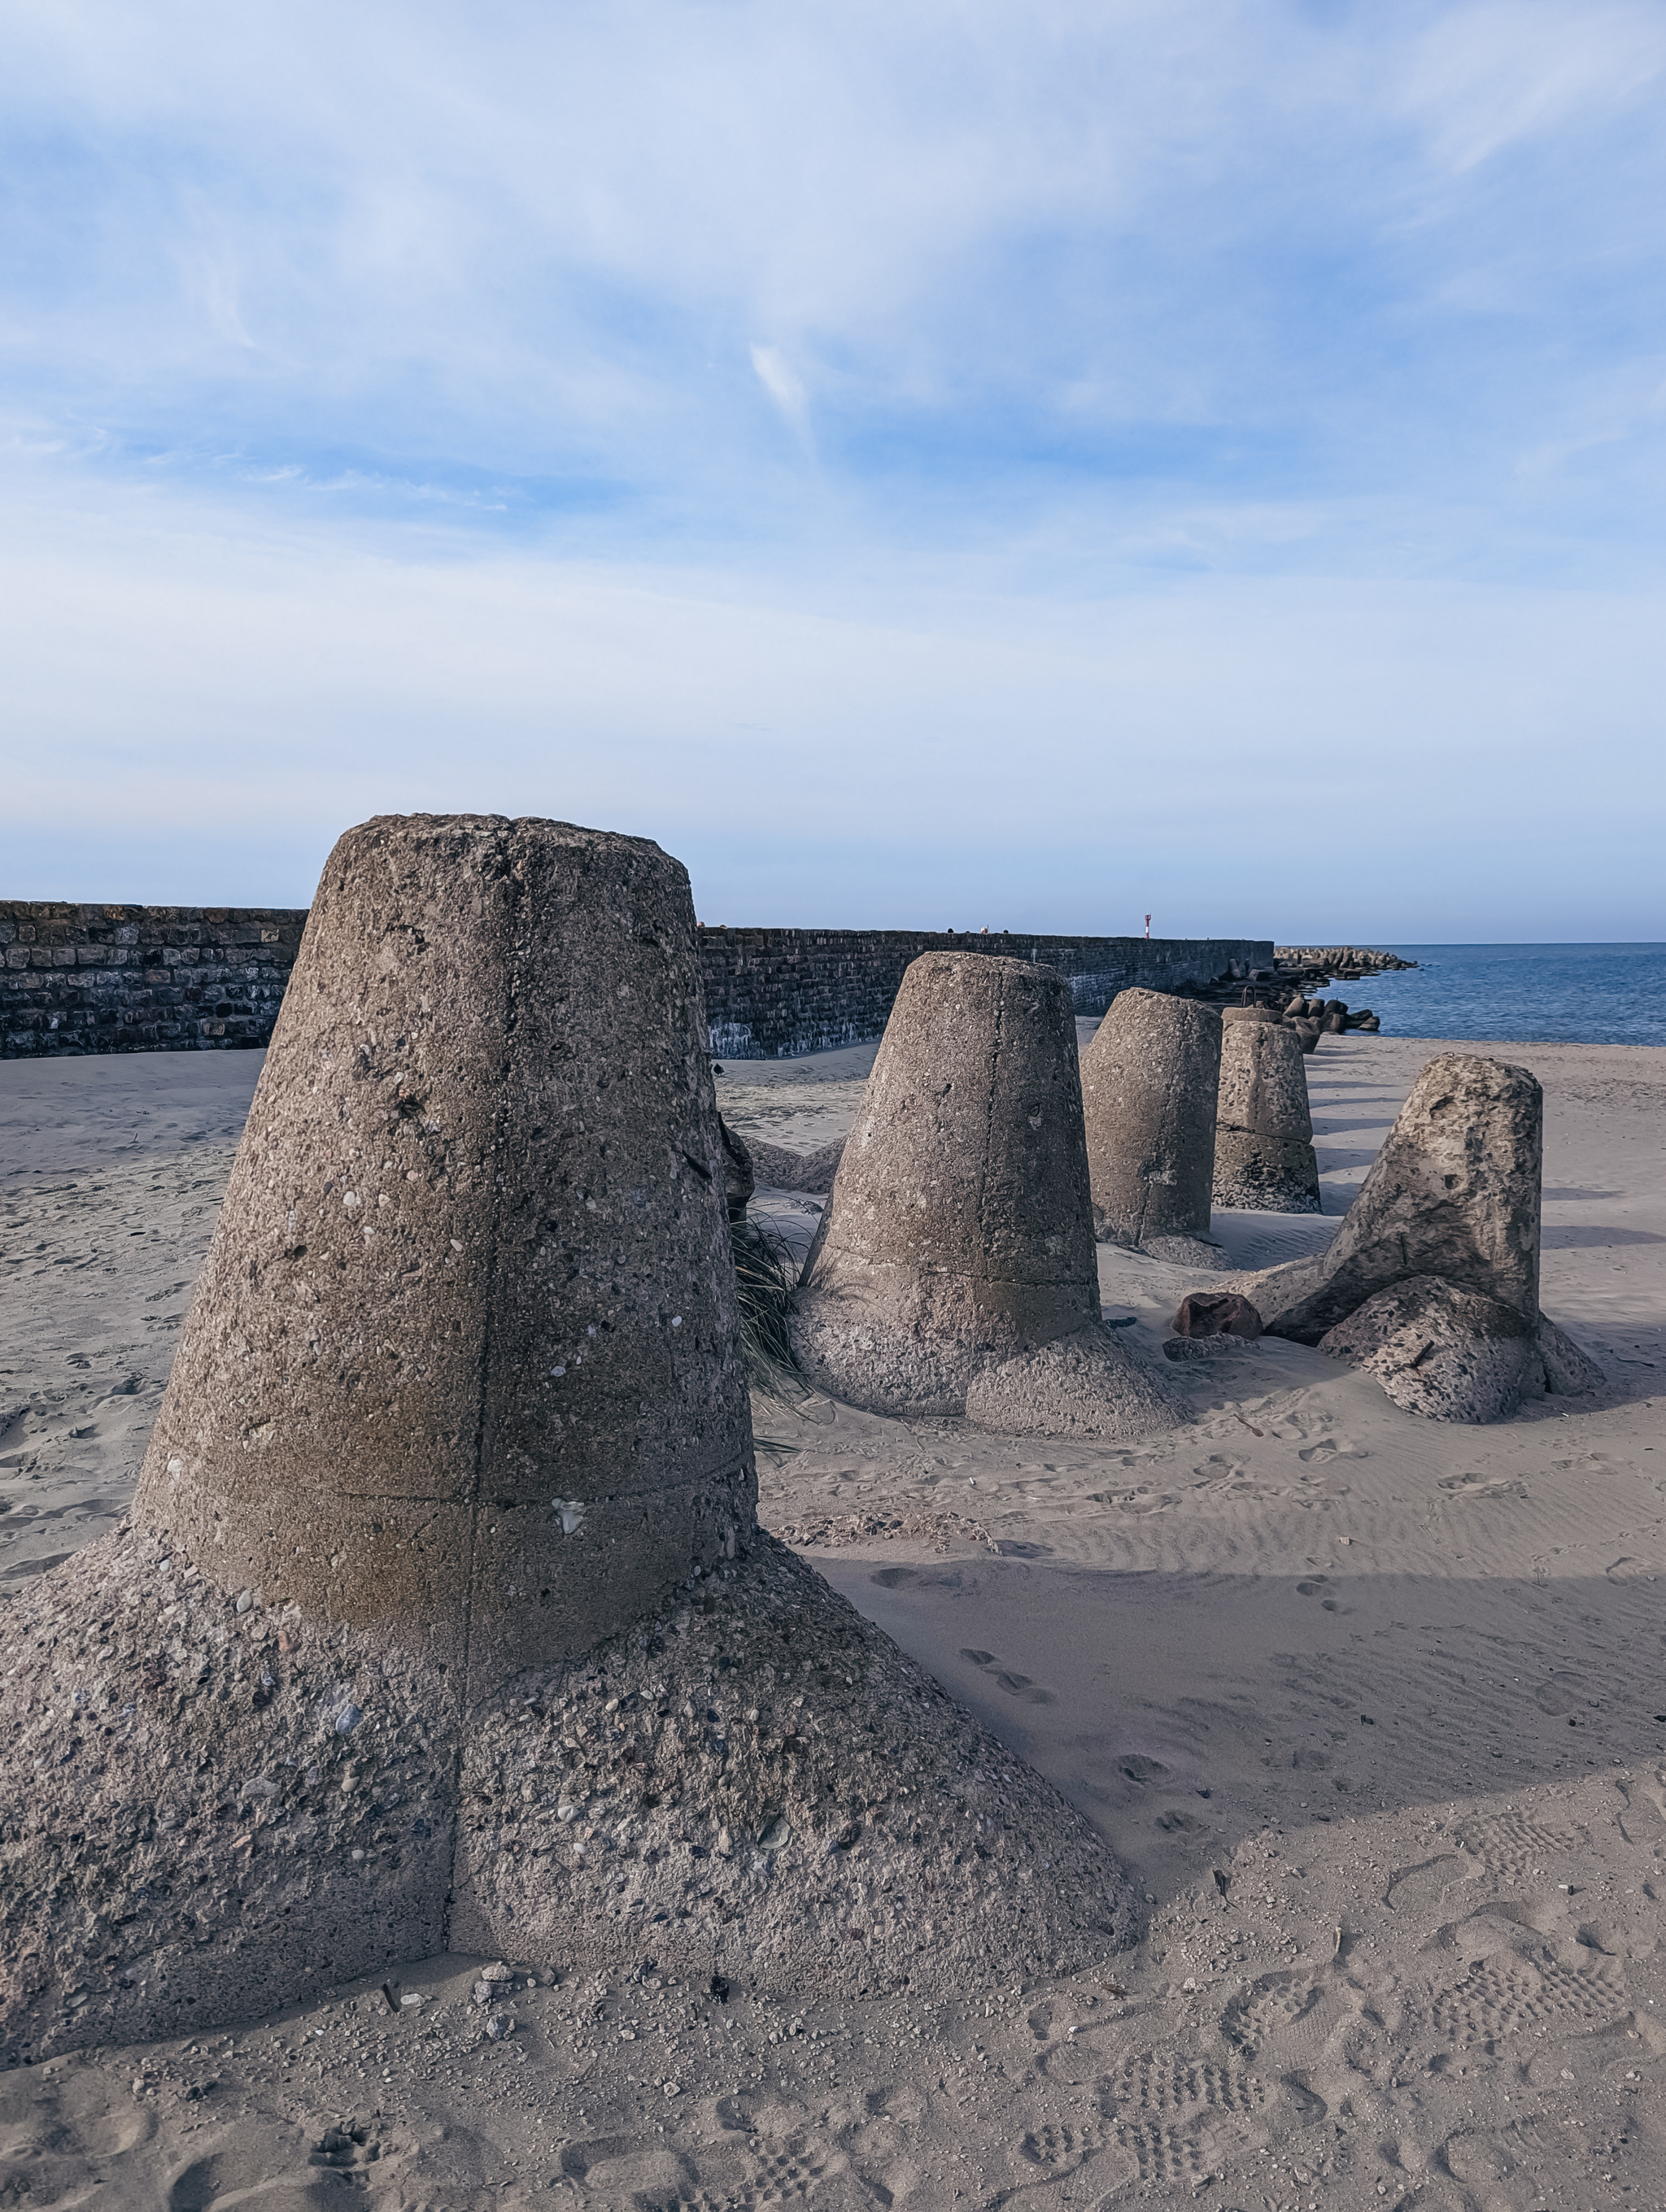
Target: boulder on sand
958	1240
1151	1077
1449	1354
1452	1198
1453	1193
1264	1156
455	1451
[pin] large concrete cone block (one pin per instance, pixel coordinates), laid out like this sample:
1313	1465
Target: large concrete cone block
447	1534
461	1363
1453	1192
1151	1078
959	1235
1264	1156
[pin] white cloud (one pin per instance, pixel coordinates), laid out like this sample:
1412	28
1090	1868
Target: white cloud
1216	412
786	389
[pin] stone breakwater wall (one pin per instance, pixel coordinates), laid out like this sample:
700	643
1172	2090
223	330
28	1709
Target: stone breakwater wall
78	978
1340	959
773	994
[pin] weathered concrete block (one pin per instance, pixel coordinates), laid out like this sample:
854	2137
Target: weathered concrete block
1151	1079
1264	1156
472	1256
959	1235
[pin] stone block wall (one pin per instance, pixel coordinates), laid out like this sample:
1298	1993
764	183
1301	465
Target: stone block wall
191	979
141	978
772	993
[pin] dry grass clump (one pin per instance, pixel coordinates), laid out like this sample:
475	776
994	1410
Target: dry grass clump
766	1277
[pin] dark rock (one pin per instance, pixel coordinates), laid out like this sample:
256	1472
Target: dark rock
738	1180
1216	1313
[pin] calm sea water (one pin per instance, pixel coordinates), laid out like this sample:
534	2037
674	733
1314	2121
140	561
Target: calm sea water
1530	993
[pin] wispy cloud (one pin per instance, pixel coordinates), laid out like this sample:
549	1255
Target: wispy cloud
786	389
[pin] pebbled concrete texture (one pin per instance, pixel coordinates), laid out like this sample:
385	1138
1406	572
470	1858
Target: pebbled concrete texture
211	1807
755	1782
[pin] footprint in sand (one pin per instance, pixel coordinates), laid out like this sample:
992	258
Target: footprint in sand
721	2176
263	2172
1016	1685
1483	1485
1319	1586
1153	2152
1418	1888
1161	2153
1504	1993
1061	2149
1564	1693
1167	2083
1645	1808
1515	1847
58	2122
1268	2008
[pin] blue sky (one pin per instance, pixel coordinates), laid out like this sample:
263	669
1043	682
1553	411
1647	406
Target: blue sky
961	464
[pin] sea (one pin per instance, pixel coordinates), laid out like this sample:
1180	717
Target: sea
1521	993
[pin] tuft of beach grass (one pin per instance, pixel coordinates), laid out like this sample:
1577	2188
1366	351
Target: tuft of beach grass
766	1277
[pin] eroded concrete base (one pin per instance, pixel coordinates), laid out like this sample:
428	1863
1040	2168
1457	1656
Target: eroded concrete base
208	1813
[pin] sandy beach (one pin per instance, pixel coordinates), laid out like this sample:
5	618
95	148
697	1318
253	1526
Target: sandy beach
1373	1708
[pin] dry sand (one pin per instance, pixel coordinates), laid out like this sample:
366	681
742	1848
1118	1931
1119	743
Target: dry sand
1374	1709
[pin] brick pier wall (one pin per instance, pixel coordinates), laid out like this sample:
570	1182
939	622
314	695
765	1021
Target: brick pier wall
78	979
141	978
772	993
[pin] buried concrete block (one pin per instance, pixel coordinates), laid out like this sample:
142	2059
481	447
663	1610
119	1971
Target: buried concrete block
959	1236
1449	1354
784	1169
1455	1192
